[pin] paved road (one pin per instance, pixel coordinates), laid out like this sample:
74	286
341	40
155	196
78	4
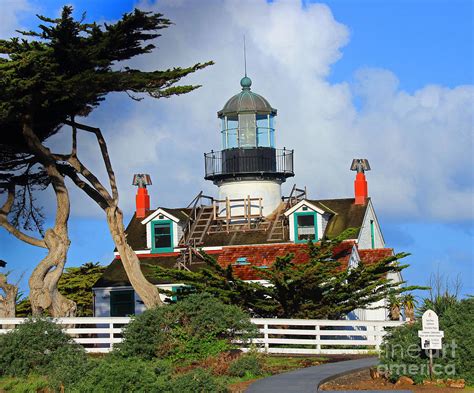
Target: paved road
306	380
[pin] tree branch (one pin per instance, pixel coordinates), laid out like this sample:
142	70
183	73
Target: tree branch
105	154
5	210
90	191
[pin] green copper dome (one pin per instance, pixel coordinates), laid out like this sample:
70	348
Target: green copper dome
246	101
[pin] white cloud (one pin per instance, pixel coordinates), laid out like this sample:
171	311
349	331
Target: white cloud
419	144
9	16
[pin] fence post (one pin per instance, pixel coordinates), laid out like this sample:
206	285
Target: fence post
265	337
318	339
111	334
378	339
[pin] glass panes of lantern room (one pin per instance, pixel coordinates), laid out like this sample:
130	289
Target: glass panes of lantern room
248	130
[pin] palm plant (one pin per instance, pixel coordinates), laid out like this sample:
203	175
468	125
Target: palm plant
409	302
394	306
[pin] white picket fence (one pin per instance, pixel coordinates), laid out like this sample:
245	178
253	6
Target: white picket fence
278	336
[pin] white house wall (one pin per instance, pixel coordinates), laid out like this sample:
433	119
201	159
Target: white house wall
102	299
365	240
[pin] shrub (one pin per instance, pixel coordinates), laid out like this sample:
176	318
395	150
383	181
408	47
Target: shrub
113	374
194	328
67	368
249	364
34	346
199	381
402	353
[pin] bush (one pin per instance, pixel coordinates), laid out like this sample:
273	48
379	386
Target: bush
34	346
113	374
250	365
199	381
402	353
194	328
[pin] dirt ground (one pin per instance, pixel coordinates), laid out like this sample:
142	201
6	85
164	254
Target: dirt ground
361	381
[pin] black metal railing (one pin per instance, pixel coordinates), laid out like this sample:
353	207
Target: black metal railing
245	161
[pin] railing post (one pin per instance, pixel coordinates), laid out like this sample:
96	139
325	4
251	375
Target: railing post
111	335
378	339
265	337
318	338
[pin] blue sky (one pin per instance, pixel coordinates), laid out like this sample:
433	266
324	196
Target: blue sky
371	56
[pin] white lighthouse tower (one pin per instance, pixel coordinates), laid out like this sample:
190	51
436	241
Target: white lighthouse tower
249	167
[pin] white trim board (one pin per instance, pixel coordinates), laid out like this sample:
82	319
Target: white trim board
157	213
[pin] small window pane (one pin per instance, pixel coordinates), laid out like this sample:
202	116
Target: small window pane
247	130
306	221
306	228
163	236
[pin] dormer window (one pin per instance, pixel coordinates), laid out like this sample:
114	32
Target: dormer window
162	236
305	227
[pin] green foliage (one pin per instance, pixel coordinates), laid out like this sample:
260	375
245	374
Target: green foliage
116	374
33	383
67	67
443	293
23	308
113	374
249	364
402	354
315	289
195	328
67	368
197	380
76	284
34	346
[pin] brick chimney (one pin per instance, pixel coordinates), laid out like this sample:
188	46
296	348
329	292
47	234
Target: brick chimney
361	191
142	199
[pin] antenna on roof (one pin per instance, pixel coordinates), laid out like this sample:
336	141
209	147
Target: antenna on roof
245	58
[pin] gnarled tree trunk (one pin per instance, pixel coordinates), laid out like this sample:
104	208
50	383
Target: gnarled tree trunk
146	290
44	295
8	293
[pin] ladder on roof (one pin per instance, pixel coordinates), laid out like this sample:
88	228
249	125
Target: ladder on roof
277	229
198	222
201	225
187	258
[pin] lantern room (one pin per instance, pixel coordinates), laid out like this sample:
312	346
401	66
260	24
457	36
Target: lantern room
247	120
248	141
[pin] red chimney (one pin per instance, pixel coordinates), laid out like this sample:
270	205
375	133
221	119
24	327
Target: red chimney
361	191
142	199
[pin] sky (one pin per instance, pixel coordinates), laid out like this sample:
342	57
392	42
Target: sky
390	81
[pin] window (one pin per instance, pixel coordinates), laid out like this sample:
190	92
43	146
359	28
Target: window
305	227
247	130
162	236
122	303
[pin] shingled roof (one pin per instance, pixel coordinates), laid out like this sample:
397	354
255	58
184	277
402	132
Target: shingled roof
343	213
115	275
262	256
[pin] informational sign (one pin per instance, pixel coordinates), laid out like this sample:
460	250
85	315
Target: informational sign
430	321
431	336
431	343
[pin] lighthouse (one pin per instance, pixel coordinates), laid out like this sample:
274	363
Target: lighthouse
249	170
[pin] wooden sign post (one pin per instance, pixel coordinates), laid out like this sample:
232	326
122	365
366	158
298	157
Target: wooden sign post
431	336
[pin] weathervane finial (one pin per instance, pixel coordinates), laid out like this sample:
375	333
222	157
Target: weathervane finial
245	58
